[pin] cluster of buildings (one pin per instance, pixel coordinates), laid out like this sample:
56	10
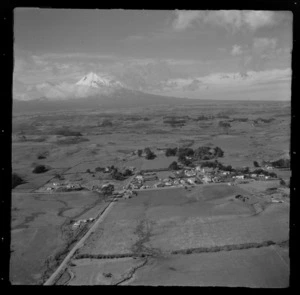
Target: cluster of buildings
125	193
81	222
137	182
194	176
56	186
183	177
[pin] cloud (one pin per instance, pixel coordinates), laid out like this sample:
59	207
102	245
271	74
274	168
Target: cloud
257	19
230	19
262	51
193	86
184	19
145	76
251	78
263	45
236	50
65	90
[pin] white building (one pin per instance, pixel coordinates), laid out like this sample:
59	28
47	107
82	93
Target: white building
190	173
198	168
139	177
191	180
239	177
206	179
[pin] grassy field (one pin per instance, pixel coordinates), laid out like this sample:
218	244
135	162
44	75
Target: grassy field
156	221
41	229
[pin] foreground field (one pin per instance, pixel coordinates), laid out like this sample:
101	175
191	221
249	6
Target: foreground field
175	231
41	231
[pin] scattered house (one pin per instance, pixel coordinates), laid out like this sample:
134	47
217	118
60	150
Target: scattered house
261	176
225	172
127	195
189	173
198	168
74	186
253	175
81	221
139	177
191	180
239	176
269	167
206	179
277	201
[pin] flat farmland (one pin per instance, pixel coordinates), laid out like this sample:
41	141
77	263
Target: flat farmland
162	236
40	230
162	223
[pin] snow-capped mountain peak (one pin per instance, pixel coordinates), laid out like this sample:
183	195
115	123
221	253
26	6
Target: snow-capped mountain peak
93	80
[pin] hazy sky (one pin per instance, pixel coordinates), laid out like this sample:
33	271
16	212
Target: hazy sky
197	54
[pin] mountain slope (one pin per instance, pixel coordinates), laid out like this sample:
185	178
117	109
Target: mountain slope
119	99
93	80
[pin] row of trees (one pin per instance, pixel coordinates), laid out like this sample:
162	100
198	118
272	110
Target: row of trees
216	164
264	172
281	163
149	155
201	153
16	180
114	172
67	132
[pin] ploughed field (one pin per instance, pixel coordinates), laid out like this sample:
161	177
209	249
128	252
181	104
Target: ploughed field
154	223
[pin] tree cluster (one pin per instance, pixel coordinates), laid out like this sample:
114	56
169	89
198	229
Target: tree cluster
106	123
67	132
171	152
281	163
174	166
215	164
108	189
264	172
207	153
256	164
40	169
224	124
16	180
149	154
